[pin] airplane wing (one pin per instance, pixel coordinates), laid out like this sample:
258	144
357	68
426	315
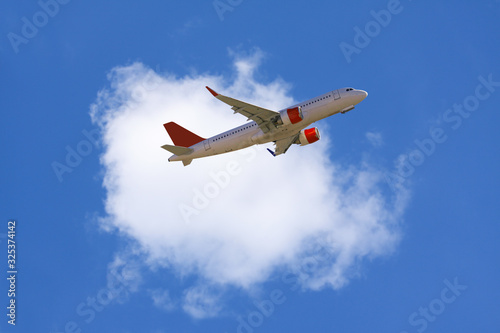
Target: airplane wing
260	115
283	144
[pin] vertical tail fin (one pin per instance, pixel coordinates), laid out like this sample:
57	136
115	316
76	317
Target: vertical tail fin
181	136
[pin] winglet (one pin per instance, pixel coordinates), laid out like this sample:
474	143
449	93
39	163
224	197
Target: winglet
212	92
272	153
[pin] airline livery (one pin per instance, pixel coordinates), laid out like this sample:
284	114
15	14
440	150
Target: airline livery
284	128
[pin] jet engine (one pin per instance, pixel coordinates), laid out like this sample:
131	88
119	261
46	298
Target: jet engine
308	135
290	116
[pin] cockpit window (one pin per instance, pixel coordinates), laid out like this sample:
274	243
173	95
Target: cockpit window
349	89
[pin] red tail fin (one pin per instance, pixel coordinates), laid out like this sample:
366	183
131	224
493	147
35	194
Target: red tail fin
181	136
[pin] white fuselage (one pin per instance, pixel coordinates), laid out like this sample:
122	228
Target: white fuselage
250	134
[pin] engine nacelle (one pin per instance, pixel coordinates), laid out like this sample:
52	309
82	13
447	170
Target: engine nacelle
291	116
308	136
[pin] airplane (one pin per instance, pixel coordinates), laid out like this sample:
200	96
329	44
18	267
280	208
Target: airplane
284	128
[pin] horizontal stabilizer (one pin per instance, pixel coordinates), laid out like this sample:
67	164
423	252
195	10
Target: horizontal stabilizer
176	150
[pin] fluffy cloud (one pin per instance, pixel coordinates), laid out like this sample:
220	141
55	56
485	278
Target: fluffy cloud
375	139
233	219
161	299
201	302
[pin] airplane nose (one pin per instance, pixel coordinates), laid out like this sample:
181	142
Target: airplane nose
363	93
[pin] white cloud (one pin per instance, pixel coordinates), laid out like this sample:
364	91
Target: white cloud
200	302
124	275
162	300
375	139
269	216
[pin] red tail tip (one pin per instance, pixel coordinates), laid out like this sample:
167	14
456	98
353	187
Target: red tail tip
181	136
212	92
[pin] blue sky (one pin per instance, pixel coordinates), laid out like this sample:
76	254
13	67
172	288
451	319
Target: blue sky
410	176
